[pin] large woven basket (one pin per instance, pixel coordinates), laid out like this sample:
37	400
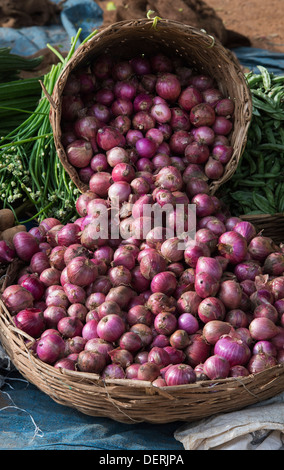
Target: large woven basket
133	401
126	39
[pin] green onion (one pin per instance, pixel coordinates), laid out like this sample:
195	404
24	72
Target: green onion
29	164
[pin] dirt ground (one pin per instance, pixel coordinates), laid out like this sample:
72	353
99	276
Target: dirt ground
262	21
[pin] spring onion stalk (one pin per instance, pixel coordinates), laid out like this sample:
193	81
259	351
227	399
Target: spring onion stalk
32	178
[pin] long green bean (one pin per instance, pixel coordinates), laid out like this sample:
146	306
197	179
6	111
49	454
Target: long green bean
260	169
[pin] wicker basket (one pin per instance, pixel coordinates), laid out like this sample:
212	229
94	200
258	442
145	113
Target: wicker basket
271	225
126	39
133	401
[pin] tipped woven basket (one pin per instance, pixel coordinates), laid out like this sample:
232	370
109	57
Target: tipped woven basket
127	39
271	225
132	401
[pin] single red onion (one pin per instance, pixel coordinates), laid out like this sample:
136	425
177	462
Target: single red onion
148	371
222	125
165	323
260	247
92	362
213	330
113	371
50	348
266	347
17	298
144	332
216	367
168	87
193	251
109	137
262	328
206	285
210	309
266	311
274	264
70	327
233	349
197	350
25	245
31	321
238	371
260	362
180	374
246	229
230	293
188	322
237	318
159	302
189	302
232	246
110	327
189	98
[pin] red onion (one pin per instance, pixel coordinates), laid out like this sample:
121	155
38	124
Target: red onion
152	264
7	253
206	285
17	298
130	341
33	284
159	356
260	362
159	302
65	363
25	244
210	309
193	251
232	349
237	318
202	114
100	182
209	265
204	205
109	137
274	264
31	321
79	311
232	246
110	327
53	314
266	311
265	347
180	374
213	330
74	345
260	247
230	293
121	295
113	371
247	270
70	327
189	302
238	371
68	235
222	125
144	332
189	97
169	178
148	371
120	356
79	153
196	153
262	328
168	87
141	357
246	229
222	153
208	238
216	367
179	339
39	262
188	323
165	323
164	282
276	287
89	361
197	350
81	271
139	314
50	348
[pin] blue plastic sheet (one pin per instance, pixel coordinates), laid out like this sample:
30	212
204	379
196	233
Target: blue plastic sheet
31	420
85	14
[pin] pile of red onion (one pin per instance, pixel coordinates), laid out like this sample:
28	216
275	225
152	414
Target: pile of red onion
140	115
144	306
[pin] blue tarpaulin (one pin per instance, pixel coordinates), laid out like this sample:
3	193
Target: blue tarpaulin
30	419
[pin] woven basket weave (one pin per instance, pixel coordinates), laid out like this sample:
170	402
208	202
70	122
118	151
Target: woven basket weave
127	39
133	401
